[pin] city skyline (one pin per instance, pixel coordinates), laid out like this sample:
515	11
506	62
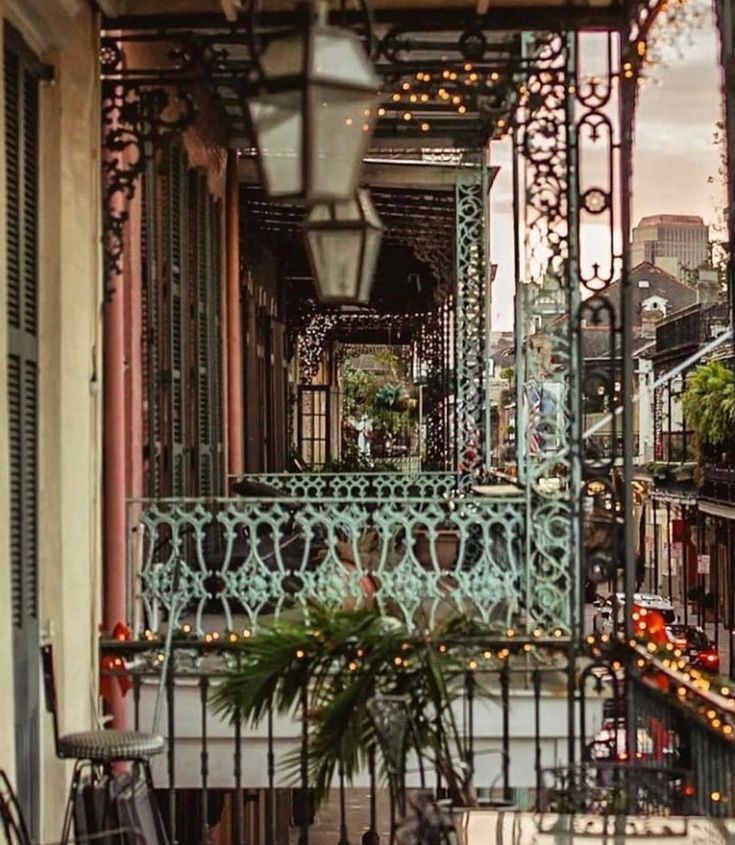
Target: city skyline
679	107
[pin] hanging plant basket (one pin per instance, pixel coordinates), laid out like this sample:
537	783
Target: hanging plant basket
387	398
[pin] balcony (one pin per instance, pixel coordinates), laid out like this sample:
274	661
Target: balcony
718	484
415	546
691	327
249	781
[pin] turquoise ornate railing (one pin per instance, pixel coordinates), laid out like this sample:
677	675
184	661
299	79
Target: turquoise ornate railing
358	484
363	541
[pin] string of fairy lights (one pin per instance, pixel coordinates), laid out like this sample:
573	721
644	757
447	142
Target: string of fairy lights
457	90
662	665
450	91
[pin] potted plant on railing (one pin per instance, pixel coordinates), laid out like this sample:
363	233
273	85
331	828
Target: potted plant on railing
444	540
348	658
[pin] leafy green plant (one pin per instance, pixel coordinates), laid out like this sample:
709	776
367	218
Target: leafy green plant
709	403
378	394
347	657
386	398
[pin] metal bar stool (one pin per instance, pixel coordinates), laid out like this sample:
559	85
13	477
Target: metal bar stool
15	829
100	750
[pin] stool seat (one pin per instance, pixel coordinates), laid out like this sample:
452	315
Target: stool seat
110	745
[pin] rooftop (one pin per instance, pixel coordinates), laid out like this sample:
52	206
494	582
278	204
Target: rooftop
671	219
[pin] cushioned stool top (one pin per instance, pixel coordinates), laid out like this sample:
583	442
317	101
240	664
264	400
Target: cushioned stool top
110	745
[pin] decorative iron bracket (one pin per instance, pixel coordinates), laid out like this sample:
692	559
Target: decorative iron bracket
136	122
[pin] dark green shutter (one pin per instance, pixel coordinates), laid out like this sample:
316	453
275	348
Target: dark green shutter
177	207
182	336
204	289
21	206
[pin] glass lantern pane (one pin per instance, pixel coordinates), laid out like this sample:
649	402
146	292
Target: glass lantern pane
340	131
283	57
277	120
339	55
372	238
335	257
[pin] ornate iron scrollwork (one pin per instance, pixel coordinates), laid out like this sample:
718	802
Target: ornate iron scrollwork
471	322
135	122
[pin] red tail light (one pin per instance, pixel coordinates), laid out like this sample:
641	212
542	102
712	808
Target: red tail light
711	659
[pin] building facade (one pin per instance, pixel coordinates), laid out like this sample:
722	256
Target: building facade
165	337
50	396
674	242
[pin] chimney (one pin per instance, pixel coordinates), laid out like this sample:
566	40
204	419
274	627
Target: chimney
708	286
650	318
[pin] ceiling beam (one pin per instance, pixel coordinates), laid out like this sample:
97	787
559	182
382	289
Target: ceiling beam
542	16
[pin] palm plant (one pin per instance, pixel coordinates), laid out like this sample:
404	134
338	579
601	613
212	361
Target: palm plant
347	658
709	403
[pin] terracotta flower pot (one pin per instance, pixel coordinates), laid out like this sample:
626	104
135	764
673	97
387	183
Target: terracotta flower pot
446	546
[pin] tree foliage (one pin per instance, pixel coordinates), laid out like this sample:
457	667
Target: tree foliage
709	403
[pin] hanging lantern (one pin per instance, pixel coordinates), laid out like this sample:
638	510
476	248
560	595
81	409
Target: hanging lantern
315	115
343	242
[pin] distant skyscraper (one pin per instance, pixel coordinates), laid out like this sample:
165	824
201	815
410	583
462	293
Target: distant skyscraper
680	238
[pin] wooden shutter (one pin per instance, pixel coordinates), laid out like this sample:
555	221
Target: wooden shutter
150	352
181	313
206	383
21	81
176	231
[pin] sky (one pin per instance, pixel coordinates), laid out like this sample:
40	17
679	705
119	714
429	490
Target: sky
676	162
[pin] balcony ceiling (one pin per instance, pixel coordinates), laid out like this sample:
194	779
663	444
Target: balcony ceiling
447	66
417	254
231	8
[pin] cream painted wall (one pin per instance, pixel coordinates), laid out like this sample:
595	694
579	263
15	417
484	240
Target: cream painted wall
64	34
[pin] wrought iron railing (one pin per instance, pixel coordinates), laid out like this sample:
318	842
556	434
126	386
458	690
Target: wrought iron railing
377	483
355	543
692	326
510	711
718	482
491	744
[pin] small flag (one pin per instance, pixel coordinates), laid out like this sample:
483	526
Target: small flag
536	440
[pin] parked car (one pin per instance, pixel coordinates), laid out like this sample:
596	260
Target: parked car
609	743
695	645
609	615
654	742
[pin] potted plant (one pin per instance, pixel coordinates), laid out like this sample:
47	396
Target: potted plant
685	472
445	544
348	658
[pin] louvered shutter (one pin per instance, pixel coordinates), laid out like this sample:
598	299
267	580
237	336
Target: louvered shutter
204	386
150	352
199	274
214	294
178	334
21	90
182	341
